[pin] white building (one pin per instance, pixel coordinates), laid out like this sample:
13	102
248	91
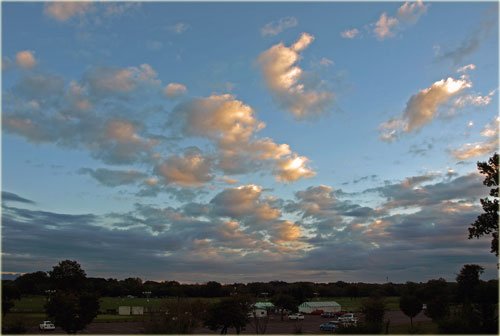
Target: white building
325	306
260	309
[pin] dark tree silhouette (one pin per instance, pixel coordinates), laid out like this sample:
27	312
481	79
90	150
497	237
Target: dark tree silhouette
72	311
284	301
67	275
410	305
9	293
468	280
374	310
229	313
72	307
487	222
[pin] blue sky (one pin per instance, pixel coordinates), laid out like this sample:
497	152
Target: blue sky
217	141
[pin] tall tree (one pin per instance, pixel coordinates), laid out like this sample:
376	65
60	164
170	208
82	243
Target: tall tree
487	222
374	310
411	306
284	302
9	293
73	306
468	280
229	313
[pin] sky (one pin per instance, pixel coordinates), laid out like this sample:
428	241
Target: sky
241	142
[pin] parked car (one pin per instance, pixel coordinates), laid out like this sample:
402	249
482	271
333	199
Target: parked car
348	317
298	316
328	314
47	325
329	326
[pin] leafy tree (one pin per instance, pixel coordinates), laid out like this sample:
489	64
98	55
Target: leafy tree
228	313
67	275
487	222
72	307
468	280
411	306
374	310
175	317
438	308
9	293
32	283
284	301
72	311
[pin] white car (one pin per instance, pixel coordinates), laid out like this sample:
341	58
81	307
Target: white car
47	325
298	316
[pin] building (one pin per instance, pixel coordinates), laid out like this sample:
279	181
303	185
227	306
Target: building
128	310
323	306
261	309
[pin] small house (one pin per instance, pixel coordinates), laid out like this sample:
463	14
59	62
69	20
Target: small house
323	306
261	309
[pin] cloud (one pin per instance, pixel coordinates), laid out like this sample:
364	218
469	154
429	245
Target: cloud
422	107
466	68
11	197
174	90
408	14
293	168
190	170
474	100
232	126
63	11
384	25
486	147
326	62
179	28
350	33
26	59
276	27
114	178
104	81
286	80
471	43
241	234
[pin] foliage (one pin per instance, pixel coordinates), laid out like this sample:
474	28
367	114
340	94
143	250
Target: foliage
10	292
67	275
411	306
72	311
468	280
71	307
17	326
374	310
228	313
285	301
487	222
175	317
32	283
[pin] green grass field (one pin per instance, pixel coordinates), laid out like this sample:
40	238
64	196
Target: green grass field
34	304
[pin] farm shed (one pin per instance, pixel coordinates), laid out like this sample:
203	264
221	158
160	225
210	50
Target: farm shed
128	310
325	306
261	309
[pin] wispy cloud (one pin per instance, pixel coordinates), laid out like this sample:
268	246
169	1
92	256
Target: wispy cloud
408	14
487	147
64	11
275	27
350	33
178	28
285	79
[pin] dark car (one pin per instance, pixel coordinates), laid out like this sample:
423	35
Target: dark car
328	314
329	326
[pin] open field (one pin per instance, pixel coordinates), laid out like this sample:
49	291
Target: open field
34	304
